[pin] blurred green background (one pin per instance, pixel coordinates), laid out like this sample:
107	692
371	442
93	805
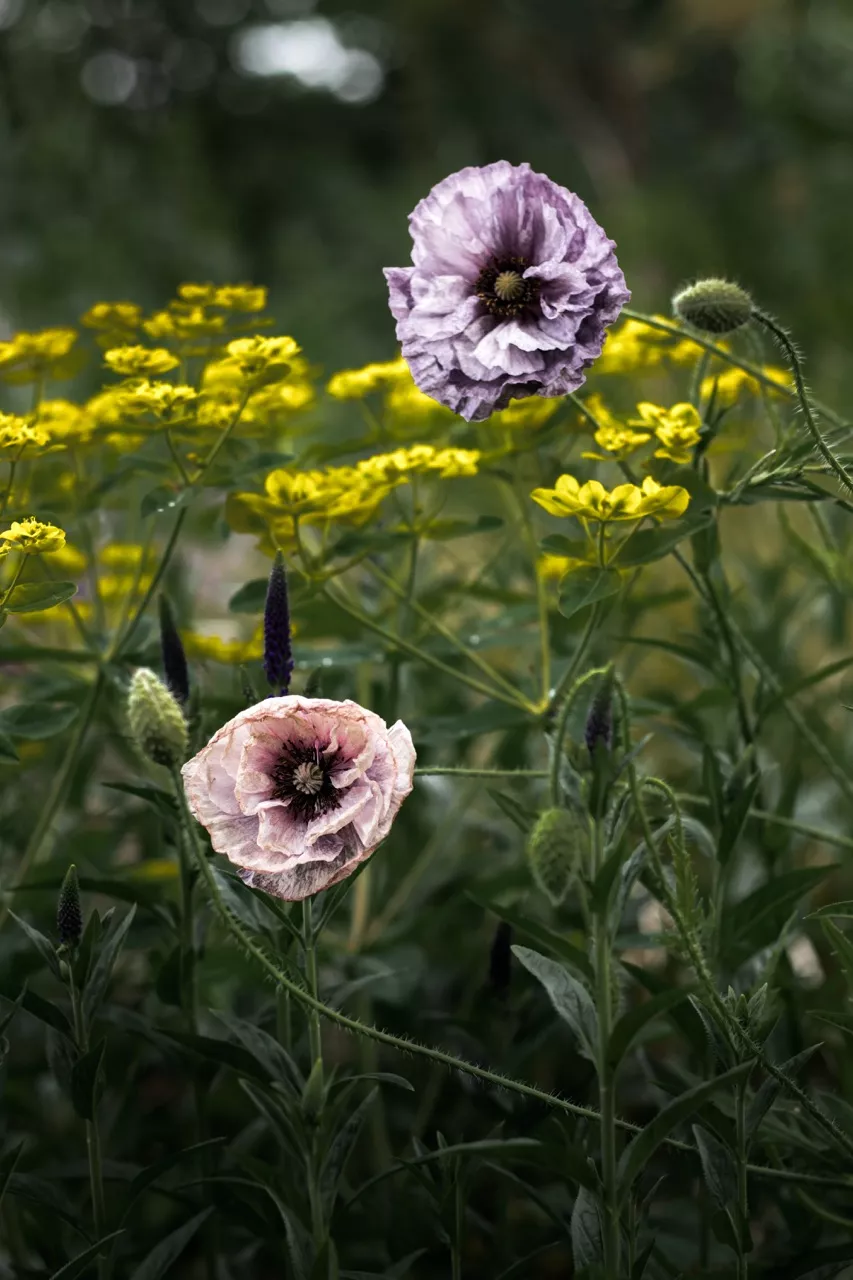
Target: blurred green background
145	142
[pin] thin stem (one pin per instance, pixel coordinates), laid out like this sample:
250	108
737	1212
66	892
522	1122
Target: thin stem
59	788
13	466
93	1137
121	642
578	655
529	540
176	457
309	943
301	996
458	1219
606	1099
784	340
728	357
222	440
437	625
399	642
742	1189
19	569
427	771
721	618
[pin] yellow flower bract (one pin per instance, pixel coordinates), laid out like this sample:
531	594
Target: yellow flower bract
591	501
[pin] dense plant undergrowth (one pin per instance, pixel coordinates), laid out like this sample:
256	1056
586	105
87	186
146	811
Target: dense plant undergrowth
586	1009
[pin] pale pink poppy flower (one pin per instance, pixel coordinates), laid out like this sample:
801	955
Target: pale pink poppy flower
298	791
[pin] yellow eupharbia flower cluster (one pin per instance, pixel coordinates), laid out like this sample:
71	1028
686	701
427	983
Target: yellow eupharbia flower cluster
33	537
633	345
591	501
140	362
727	385
677	430
21	436
30	357
349	494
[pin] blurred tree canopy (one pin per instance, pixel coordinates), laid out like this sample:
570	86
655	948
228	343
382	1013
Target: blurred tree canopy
144	142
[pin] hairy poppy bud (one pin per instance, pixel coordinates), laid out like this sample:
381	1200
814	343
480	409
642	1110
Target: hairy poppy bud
174	659
598	730
69	911
278	654
554	849
713	306
157	723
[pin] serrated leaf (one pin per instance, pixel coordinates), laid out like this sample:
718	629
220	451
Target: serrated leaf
587	1244
77	1266
108	952
43	945
86	1082
584	587
35	721
769	1090
718	1167
168	1251
641	1149
633	1021
32	597
570	998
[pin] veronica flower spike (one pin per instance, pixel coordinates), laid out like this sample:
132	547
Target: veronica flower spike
512	287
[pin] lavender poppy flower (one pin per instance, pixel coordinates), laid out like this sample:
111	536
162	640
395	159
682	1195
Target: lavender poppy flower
512	288
298	791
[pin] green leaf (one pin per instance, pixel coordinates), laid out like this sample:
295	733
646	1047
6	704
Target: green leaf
43	945
842	946
569	997
653	544
770	1089
30	597
163	498
584	587
154	1172
587	1244
521	815
7	747
7	1166
718	1167
735	816
266	1050
251	597
635	1020
162	1256
47	1012
557	544
540	934
445	530
36	720
78	1265
158	797
340	1149
224	1053
108	952
757	920
87	1081
641	1149
837	910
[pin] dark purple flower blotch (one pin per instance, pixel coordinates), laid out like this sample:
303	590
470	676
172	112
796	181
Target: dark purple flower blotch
278	654
513	286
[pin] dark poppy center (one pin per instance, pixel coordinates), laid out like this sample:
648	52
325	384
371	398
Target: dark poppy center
502	288
301	776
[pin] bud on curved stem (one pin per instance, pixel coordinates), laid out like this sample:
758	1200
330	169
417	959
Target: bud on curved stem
157	723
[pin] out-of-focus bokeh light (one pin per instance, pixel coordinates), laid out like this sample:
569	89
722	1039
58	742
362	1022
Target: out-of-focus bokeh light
109	77
309	50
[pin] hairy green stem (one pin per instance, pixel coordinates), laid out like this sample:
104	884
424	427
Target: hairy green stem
605	1072
561	729
793	355
578	655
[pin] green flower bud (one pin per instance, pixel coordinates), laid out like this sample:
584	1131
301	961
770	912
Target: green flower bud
554	851
713	306
69	910
157	724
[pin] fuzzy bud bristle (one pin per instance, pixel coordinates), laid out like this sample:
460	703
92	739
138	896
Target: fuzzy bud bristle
157	723
713	306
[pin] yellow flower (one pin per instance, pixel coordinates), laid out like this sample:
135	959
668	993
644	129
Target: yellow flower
254	356
404	401
533	411
455	462
113	317
448	462
592	501
240	297
29	356
164	400
67	560
732	381
553	568
184	322
354	384
114	588
121	555
677	430
65	421
140	362
19	435
199	295
32	537
213	649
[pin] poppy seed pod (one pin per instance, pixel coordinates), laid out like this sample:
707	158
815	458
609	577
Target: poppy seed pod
157	723
713	306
